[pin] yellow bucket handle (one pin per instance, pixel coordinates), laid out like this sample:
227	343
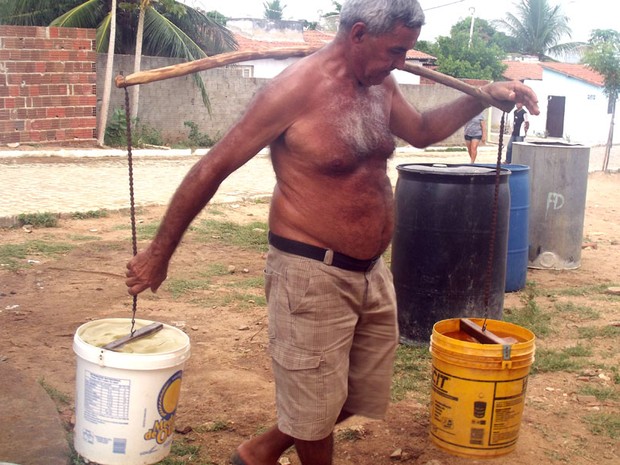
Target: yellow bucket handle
506	351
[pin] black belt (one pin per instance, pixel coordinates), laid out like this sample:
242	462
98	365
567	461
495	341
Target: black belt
327	256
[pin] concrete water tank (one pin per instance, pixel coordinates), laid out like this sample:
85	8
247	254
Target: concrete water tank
558	186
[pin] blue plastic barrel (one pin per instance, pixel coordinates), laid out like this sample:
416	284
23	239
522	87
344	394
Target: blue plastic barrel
518	243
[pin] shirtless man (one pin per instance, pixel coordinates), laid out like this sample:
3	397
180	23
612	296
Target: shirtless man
330	121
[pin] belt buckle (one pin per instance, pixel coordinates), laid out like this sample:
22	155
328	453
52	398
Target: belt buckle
328	259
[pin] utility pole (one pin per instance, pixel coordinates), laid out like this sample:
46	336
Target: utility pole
472	10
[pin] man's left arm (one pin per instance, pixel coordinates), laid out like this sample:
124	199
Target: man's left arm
424	129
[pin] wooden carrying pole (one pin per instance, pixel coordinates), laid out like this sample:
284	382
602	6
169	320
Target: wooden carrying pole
216	61
183	69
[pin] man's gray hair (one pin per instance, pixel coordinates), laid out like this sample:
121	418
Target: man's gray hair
381	16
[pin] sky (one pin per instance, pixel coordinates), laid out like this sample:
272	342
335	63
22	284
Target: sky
584	15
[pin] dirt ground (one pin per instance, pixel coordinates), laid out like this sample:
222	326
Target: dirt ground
227	392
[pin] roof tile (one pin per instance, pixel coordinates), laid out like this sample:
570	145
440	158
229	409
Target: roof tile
577	71
312	38
521	70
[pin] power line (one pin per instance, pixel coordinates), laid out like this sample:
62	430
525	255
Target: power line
441	6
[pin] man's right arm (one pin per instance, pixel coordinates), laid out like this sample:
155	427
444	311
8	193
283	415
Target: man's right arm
268	116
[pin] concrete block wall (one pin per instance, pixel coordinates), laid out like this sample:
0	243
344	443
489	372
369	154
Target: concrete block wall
427	97
166	105
47	84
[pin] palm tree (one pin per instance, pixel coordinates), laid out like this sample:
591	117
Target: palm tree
107	83
171	28
273	10
135	91
537	28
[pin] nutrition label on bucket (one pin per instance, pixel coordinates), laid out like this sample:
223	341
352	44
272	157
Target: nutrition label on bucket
106	399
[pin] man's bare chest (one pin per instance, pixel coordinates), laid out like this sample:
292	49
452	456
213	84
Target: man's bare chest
344	132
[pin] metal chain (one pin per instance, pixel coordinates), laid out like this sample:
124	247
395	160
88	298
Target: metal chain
489	270
132	206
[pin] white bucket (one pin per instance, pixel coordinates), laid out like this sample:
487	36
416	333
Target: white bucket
125	403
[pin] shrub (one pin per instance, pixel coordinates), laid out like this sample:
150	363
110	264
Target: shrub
141	134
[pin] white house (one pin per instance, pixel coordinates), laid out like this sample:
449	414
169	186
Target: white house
577	108
572	104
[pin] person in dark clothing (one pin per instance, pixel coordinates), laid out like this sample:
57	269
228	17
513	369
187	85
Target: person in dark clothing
520	126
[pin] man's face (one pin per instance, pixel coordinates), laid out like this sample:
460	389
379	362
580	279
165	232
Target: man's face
380	54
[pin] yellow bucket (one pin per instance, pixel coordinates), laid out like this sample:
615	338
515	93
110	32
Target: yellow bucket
478	389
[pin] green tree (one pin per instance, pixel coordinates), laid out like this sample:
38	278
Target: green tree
603	56
337	9
170	28
537	28
217	17
475	56
485	31
273	10
455	57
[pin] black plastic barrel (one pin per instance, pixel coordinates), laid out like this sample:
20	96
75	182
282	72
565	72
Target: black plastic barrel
442	242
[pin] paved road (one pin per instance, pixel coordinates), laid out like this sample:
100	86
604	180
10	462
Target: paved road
84	180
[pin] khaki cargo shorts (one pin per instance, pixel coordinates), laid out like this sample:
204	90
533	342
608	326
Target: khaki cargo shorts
332	337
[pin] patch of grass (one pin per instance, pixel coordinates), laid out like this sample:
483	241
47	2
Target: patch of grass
604	424
261	429
215	211
570	359
255	282
74	458
583	312
90	214
578	351
146	232
215	426
351	434
244	300
530	315
602	393
581	291
215	269
252	236
412	372
55	394
183	453
12	254
605	332
80	238
38	220
179	287
205	302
